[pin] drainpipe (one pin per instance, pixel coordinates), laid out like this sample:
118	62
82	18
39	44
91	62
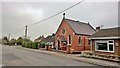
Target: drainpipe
84	44
91	45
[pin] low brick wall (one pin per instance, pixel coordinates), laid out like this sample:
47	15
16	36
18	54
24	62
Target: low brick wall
110	57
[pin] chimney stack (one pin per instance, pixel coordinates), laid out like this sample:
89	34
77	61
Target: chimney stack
97	28
42	36
63	15
53	34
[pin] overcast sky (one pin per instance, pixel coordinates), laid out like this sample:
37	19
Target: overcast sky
16	15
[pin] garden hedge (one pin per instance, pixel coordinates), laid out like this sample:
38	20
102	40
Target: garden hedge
42	44
33	45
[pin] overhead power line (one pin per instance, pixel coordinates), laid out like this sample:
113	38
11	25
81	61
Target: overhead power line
22	28
48	17
56	13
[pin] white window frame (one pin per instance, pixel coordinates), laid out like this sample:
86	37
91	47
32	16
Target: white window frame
109	45
107	41
70	40
80	41
88	41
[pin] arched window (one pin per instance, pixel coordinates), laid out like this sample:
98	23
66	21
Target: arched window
69	39
79	40
63	31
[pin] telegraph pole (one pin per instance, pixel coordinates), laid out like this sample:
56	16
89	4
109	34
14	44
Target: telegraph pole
26	32
9	37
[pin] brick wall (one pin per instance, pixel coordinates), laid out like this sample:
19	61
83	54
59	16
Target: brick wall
116	48
74	42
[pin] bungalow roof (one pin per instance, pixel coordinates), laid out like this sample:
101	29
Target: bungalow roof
49	39
110	32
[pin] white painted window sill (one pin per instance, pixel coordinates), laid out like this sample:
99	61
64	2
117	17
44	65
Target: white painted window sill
68	44
104	51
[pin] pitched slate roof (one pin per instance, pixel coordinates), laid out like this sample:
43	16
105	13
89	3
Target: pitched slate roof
49	39
111	32
39	39
80	27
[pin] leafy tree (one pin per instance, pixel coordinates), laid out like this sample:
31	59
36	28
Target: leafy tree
13	41
19	41
5	40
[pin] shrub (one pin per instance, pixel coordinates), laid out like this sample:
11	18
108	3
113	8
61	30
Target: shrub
35	45
23	44
42	44
30	44
26	44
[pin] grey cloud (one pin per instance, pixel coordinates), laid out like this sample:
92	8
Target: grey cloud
15	16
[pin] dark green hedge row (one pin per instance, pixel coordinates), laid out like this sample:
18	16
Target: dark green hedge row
42	44
33	45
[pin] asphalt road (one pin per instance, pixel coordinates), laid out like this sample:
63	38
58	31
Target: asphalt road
14	56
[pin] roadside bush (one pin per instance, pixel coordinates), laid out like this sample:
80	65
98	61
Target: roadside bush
26	44
23	44
30	44
33	45
36	45
42	44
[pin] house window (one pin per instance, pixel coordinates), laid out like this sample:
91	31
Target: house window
89	42
107	46
102	46
79	40
69	39
110	44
